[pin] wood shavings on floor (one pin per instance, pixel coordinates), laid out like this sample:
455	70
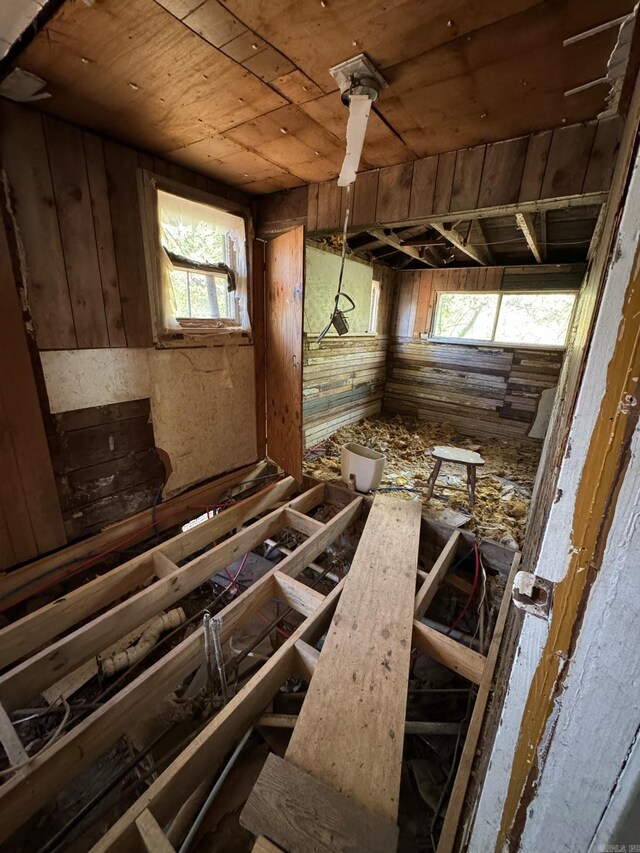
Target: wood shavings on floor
503	490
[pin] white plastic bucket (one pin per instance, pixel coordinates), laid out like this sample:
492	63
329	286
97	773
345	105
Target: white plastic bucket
364	464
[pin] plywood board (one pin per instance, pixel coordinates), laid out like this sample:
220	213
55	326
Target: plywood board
203	411
284	322
366	688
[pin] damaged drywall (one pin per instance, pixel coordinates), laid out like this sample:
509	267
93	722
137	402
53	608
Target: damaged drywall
83	378
203	411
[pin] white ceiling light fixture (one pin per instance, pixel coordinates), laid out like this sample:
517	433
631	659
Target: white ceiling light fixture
360	84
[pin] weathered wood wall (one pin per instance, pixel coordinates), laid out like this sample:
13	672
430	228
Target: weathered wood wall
105	463
343	379
542	166
75	235
481	389
76	207
30	517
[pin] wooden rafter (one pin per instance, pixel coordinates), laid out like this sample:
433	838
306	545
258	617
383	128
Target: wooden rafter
456	239
524	221
394	241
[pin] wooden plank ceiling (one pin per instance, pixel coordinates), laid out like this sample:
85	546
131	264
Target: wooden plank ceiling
240	90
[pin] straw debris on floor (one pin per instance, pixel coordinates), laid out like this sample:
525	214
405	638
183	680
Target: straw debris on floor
503	490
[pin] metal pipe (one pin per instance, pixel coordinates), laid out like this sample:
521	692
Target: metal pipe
215	626
214	792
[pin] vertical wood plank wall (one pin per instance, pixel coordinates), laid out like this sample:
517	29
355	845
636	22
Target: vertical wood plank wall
30	516
75	198
481	390
541	166
76	226
343	379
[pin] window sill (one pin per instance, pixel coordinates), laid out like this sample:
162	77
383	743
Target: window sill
491	344
214	338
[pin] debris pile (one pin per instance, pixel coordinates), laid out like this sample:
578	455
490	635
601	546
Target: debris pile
503	490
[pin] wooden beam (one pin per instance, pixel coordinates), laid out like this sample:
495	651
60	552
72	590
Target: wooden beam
423	242
302	523
297	595
38	672
22	583
396	243
208	749
151	835
568	202
448	652
457	240
23	795
524	221
307	659
24	636
10	741
543	235
364	667
597	231
439	569
285	805
447	838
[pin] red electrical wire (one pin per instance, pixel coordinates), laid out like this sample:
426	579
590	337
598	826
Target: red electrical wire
265	618
237	575
75	567
467	604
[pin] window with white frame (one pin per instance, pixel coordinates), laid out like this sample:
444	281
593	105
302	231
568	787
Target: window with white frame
374	307
520	318
197	263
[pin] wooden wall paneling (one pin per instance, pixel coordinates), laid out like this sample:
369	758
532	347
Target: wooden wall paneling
444	182
365	198
343	381
105	463
259	352
329	205
13	500
26	463
394	193
502	172
423	185
568	160
312	207
25	158
603	155
289	208
122	177
535	165
284	282
422	319
79	246
466	178
101	210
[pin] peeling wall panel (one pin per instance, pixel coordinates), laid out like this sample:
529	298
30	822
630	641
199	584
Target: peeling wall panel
82	379
203	411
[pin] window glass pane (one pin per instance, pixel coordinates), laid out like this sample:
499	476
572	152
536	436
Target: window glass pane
199	295
535	318
180	293
469	316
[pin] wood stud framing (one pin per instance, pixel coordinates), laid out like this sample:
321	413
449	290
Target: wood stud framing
142	824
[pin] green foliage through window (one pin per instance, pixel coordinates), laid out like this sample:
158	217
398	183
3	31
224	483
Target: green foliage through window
509	318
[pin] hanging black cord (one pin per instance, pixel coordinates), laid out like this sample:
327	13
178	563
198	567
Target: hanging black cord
339	292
